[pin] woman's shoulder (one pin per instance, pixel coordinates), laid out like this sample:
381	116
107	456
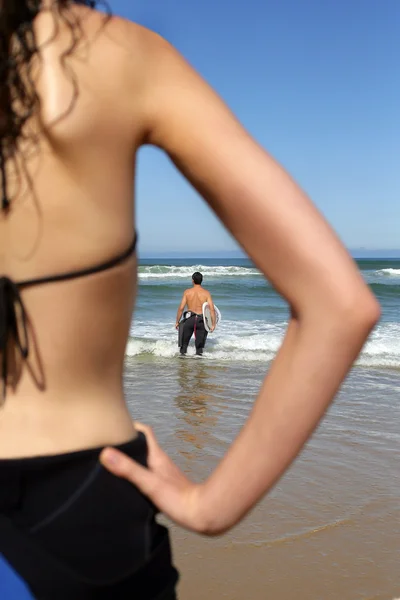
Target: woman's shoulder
123	47
124	34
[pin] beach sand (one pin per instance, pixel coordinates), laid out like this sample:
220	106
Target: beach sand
329	530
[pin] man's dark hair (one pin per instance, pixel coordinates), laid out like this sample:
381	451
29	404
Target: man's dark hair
197	278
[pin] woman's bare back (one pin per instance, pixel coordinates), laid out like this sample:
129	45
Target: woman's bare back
76	213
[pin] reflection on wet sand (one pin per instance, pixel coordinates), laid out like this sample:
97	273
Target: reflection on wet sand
197	398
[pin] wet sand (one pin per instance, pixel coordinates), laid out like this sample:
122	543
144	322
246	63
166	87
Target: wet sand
329	530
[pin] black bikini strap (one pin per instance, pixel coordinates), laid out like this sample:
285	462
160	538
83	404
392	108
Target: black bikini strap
5	202
77	274
11	305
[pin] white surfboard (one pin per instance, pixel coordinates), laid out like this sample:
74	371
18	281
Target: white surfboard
207	316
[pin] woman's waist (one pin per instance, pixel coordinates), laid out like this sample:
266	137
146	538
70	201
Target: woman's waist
35	426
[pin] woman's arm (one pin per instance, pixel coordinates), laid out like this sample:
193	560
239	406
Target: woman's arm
332	309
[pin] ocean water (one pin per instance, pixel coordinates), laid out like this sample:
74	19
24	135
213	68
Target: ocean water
254	316
331	527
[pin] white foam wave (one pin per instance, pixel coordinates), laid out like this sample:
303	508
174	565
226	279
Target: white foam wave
218	351
185	272
259	341
383	347
254	341
389	272
162	348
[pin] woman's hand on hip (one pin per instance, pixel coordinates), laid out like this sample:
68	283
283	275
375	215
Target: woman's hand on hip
162	482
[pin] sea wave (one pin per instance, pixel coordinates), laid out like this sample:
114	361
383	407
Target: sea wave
389	272
384	290
185	272
383	277
254	341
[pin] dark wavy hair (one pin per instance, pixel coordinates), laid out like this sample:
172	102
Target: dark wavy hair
18	97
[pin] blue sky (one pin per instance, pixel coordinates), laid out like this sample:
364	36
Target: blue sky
316	82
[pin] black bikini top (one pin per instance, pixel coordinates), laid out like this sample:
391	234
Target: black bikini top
11	302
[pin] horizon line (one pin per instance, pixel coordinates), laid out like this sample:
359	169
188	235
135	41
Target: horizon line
355	253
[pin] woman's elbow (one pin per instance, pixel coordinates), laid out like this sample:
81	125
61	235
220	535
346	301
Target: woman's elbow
351	311
371	311
360	311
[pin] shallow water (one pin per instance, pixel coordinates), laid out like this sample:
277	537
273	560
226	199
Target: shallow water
330	529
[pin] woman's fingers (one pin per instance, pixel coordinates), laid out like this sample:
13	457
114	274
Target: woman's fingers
122	466
163	483
147	431
168	491
142	427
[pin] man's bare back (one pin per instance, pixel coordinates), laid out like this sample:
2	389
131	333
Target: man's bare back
195	298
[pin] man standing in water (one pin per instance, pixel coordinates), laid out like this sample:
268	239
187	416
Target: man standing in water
193	322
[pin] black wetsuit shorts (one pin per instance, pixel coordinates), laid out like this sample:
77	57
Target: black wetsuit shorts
70	530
